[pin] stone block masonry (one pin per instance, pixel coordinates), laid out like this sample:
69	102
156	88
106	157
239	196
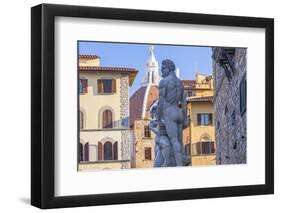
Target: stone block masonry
230	121
124	99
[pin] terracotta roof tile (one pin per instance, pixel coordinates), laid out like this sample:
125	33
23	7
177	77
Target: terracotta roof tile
199	98
131	71
89	56
190	84
99	68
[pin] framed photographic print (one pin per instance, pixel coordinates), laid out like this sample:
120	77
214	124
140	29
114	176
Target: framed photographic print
139	106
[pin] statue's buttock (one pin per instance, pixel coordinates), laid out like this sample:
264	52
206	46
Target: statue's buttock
172	113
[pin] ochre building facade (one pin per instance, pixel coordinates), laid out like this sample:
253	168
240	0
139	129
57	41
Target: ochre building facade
199	136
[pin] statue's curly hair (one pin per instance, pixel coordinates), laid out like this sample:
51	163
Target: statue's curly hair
170	64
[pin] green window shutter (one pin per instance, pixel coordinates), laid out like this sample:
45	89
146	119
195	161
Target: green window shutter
198	119
85	86
100	86
115	151
113	86
210	119
100	151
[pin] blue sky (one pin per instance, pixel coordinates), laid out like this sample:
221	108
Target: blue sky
189	59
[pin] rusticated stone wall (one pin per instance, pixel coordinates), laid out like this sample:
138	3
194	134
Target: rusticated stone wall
124	113
231	132
124	100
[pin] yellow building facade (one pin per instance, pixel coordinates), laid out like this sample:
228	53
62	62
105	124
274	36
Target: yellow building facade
105	136
199	136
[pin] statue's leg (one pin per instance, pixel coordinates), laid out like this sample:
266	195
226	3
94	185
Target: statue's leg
158	161
166	152
172	131
184	154
172	161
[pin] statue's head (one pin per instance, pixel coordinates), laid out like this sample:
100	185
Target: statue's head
167	67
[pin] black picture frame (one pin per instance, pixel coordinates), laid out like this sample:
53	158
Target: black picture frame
43	105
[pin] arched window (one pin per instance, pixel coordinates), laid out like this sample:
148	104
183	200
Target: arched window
107	151
107	119
81	120
203	147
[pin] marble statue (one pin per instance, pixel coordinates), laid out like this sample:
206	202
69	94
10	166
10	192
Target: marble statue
171	118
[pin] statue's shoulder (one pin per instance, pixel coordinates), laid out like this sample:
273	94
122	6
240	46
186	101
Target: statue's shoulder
179	83
163	83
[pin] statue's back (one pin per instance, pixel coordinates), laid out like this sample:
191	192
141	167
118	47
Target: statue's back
174	91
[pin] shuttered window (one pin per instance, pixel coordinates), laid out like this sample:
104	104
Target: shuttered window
147	153
107	119
147	132
205	119
203	148
106	86
83	86
107	151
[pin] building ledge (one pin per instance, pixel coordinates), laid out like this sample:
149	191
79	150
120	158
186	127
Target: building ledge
104	130
204	155
103	161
